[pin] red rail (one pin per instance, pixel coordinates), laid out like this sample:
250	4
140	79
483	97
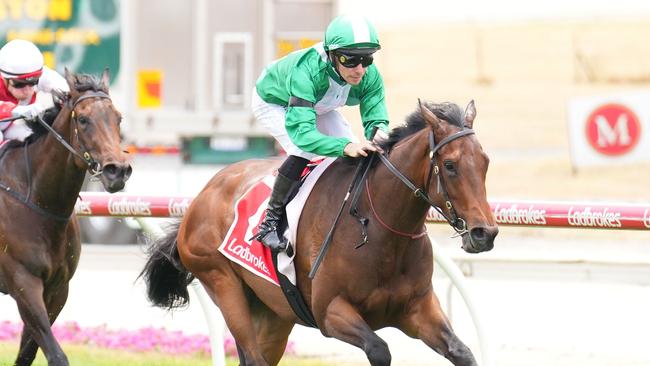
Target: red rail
522	213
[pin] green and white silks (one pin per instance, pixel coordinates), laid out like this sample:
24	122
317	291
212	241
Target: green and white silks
308	74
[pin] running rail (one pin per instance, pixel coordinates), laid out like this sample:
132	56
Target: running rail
583	215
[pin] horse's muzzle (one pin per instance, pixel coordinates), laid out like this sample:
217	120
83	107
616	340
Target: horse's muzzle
480	239
115	175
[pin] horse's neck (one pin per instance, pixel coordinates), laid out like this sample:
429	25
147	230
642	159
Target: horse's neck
394	202
56	180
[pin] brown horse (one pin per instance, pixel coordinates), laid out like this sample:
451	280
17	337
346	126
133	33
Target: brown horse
384	283
41	179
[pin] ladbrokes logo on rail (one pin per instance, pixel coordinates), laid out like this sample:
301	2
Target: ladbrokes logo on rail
522	216
123	207
83	208
646	218
594	218
178	209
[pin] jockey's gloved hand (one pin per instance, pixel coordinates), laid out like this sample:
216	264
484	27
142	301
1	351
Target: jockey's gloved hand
6	109
28	111
380	136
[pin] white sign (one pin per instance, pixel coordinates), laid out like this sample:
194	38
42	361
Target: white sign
609	130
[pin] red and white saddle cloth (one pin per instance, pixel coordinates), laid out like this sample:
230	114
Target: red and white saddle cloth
249	213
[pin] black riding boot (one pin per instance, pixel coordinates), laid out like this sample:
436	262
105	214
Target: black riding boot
268	234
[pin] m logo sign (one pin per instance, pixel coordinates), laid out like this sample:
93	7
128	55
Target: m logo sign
613	129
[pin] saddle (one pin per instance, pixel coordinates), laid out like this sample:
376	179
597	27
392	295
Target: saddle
276	268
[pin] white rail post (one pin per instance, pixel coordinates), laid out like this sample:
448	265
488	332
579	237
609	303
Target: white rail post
456	276
213	318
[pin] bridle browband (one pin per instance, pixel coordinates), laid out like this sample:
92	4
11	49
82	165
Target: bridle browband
94	166
457	223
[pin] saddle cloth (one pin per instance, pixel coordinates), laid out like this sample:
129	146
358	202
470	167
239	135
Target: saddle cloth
249	213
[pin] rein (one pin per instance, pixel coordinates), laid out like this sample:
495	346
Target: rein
457	223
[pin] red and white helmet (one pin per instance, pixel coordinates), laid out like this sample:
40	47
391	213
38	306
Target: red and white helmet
20	59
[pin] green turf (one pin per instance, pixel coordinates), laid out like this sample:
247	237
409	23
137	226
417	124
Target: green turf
91	356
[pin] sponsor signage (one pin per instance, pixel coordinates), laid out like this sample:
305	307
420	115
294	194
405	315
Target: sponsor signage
82	35
560	214
610	130
532	213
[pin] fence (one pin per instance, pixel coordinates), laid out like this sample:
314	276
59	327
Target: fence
582	215
521	213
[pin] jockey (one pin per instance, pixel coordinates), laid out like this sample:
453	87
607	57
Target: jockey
25	87
296	98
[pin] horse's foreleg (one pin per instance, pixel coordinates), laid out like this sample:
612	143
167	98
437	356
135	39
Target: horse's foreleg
27	350
343	321
28	293
426	321
28	347
227	292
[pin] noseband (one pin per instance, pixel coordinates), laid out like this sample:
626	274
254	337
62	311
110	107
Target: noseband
94	166
456	222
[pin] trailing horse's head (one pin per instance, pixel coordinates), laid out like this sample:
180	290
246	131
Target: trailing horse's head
458	188
96	130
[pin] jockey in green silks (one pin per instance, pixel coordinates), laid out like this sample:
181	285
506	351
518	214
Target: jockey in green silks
296	98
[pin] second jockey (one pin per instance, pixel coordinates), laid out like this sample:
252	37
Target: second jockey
26	86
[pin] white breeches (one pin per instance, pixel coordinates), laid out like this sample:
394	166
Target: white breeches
272	118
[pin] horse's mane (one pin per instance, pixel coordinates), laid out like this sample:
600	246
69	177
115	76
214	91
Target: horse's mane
82	83
85	82
449	112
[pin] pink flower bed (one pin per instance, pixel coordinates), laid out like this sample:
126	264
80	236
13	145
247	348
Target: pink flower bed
141	340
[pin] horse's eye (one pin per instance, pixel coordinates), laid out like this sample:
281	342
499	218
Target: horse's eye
450	166
83	120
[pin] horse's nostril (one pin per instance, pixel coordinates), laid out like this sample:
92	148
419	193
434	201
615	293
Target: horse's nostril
478	234
115	171
128	172
110	170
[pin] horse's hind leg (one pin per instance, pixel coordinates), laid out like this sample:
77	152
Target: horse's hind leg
426	321
272	333
343	321
227	292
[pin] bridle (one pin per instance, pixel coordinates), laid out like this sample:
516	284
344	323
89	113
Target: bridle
94	167
457	223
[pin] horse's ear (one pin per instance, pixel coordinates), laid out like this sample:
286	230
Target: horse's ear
69	77
428	116
470	114
106	77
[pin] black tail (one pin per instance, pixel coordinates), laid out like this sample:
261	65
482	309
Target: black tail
164	274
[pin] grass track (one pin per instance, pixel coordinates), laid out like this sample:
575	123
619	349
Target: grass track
91	356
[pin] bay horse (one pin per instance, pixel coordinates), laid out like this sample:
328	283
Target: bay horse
433	159
41	179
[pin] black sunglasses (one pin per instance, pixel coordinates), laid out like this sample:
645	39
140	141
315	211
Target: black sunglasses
351	61
19	84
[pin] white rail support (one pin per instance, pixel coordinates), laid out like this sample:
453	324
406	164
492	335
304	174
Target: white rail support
456	276
213	318
215	323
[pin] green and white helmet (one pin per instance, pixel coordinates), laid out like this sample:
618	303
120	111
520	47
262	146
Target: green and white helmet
354	34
